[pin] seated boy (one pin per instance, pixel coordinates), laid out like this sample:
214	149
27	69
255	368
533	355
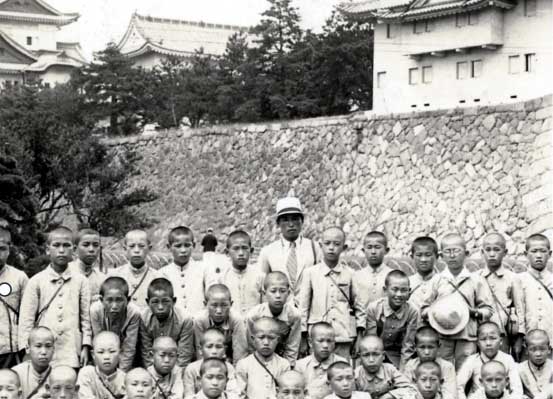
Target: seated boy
139	384
537	372
427	345
277	288
341	380
137	273
34	372
257	374
213	374
314	367
381	380
489	341
59	299
245	283
87	244
162	318
213	346
291	385
494	379
428	377
10	387
10	354
219	315
185	273
167	375
62	383
104	380
424	252
394	319
328	294
114	313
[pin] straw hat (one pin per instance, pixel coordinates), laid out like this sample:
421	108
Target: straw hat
287	206
449	315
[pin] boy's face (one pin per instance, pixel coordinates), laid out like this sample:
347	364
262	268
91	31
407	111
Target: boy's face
342	382
428	383
290	226
161	303
64	388
139	385
494	383
489	341
106	354
427	349
538	350
424	258
41	348
332	245
292	389
265	340
454	252
165	358
239	251
277	293
181	249
397	291
493	250
9	386
60	248
218	306
114	301
214	346
4	250
137	247
538	254
213	382
323	342
372	356
374	249
88	248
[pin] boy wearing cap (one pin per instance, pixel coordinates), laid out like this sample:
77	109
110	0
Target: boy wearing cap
475	296
291	253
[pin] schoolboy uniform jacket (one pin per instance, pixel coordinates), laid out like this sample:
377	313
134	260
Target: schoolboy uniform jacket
387	380
9	308
192	379
420	288
537	287
369	284
67	315
253	379
188	285
138	280
536	381
95	385
170	386
315	374
127	331
449	386
177	326
94	276
32	380
330	295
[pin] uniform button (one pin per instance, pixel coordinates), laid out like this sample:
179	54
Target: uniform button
182	275
182	286
134	299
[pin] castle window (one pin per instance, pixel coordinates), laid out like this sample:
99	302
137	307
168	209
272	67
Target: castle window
473	18
514	64
390	31
29	41
529	62
419	27
427	74
462	70
461	20
381	80
413	76
2	51
530	8
476	69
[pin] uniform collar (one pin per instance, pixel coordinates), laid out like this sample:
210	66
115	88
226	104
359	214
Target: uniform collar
266	312
85	269
379	374
183	268
461	276
325	364
111	377
539	275
55	276
419	277
500	272
377	270
239	272
4	269
337	269
138	272
388	311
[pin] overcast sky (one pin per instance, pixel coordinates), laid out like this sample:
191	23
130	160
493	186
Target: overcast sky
102	21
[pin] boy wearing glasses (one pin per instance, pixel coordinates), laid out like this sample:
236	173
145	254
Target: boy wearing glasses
219	315
162	318
394	319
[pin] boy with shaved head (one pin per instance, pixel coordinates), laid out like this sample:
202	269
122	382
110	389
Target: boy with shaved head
495	380
341	380
167	375
10	387
537	372
87	245
219	315
537	284
62	383
328	294
507	294
59	298
424	252
475	294
291	385
136	273
34	372
10	353
139	384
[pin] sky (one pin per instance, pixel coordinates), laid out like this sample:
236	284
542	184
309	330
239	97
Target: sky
103	21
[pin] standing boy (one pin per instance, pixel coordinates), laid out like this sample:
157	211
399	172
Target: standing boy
537	372
10	353
507	294
394	319
163	318
286	315
114	313
185	273
424	252
59	299
328	294
137	273
245	283
34	373
164	370
88	245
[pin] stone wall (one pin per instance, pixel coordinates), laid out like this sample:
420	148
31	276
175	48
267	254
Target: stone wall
471	170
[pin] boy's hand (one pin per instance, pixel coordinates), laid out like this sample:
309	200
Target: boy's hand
475	314
84	355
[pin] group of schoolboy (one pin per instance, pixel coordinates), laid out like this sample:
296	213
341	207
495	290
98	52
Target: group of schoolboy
289	331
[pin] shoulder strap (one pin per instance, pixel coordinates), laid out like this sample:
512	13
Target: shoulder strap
497	302
342	291
45	308
40	384
113	395
266	369
158	385
542	284
140	282
459	291
10	307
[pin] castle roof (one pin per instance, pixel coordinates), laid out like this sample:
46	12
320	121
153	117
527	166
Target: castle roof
37	11
175	37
